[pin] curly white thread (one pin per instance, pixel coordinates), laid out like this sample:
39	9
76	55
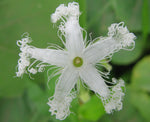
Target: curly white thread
60	108
24	60
114	100
121	34
66	11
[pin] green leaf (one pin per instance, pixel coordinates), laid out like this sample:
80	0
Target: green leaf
99	17
140	86
145	18
135	14
83	11
124	57
92	110
95	11
141	101
10	86
141	75
130	11
13	110
38	99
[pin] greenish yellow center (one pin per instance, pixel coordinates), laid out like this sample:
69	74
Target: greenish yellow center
77	62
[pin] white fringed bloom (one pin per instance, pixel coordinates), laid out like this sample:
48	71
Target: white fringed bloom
77	60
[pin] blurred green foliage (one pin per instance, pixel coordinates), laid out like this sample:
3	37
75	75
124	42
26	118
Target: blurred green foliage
24	99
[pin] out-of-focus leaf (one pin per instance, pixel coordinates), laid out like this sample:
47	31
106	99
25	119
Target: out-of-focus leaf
92	110
145	18
13	110
38	98
108	17
141	101
83	11
130	11
99	17
141	75
124	57
140	86
10	86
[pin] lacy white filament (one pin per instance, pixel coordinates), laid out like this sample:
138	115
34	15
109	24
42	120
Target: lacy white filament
114	100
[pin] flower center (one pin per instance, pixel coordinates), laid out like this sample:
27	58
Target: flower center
77	61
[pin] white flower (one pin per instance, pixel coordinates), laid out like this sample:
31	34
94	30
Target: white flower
77	60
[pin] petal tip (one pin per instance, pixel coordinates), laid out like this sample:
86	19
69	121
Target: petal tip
121	35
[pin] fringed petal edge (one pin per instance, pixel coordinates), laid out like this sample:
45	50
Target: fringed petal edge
24	60
60	109
114	100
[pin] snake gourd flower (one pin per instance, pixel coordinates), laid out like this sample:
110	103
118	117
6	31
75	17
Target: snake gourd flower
77	60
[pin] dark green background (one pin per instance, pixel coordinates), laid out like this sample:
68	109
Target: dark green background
24	99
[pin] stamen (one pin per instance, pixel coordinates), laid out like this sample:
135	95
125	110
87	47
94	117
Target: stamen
77	61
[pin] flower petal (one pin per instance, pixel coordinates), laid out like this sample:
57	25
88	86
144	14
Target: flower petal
93	79
70	27
73	35
60	103
99	50
50	56
118	38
